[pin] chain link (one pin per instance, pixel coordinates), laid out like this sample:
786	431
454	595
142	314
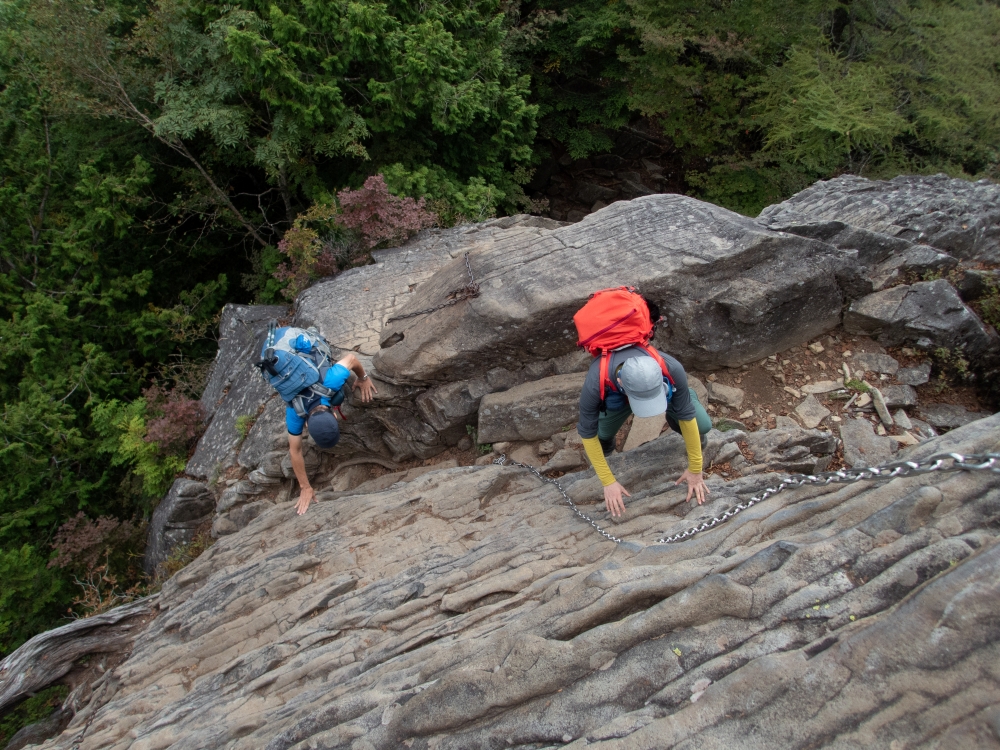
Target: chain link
468	291
940	462
502	461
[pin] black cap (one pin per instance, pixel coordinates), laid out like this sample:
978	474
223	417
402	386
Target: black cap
323	429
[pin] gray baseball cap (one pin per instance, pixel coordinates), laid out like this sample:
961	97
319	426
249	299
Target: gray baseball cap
642	380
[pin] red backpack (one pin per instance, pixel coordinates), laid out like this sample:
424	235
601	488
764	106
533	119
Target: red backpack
614	319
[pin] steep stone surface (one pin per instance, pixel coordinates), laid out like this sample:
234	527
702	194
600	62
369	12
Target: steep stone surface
234	388
732	287
470	608
955	216
186	506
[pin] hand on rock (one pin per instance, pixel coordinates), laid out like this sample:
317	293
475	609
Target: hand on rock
613	498
307	496
696	486
367	388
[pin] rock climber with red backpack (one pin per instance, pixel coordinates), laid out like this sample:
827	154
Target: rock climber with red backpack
628	376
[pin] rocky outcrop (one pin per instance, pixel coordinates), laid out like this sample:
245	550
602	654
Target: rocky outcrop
188	505
732	285
471	608
928	315
957	217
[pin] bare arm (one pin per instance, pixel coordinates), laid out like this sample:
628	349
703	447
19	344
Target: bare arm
307	494
363	382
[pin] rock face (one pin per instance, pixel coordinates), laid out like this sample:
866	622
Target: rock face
234	388
958	217
188	505
471	608
731	283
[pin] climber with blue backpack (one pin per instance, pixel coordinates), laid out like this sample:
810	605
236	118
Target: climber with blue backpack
297	362
628	376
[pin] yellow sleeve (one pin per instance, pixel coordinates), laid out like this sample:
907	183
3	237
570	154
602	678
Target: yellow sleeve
692	441
596	455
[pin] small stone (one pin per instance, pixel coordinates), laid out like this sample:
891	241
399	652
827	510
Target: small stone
822	386
863	400
811	412
847	372
546	448
881	408
567	738
747	414
484	460
914	375
724	394
816	348
880	430
793	391
699	388
877	362
899	395
906	439
847	353
902	419
501	447
780	422
712	377
834	419
464	443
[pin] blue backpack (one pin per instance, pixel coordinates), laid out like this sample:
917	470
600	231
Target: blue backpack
294	361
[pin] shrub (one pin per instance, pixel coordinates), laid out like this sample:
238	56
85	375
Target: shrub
176	421
123	429
244	423
327	238
379	217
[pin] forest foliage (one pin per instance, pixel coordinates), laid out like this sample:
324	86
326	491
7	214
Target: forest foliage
162	158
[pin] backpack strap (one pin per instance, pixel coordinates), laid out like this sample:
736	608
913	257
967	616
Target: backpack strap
604	373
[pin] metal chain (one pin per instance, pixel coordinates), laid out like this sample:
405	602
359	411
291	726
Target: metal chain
468	291
959	462
502	461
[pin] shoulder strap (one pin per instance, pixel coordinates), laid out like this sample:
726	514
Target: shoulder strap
604	373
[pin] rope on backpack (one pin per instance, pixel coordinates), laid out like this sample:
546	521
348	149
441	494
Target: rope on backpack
940	462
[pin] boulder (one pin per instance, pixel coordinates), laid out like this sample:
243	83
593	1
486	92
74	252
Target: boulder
187	505
862	447
452	405
724	394
955	216
874	362
880	259
899	395
732	287
949	416
793	449
929	315
531	411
